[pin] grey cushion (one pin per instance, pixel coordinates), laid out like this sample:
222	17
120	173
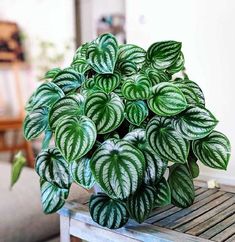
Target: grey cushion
21	216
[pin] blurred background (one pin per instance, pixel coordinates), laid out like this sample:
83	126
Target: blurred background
42	34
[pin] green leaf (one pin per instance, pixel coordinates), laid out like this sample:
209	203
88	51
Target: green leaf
165	141
127	68
47	138
107	82
53	197
140	204
181	184
106	110
136	137
136	112
68	106
163	54
136	87
75	136
17	166
52	167
192	165
52	73
68	80
163	193
118	168
167	100
102	53
30	103
80	65
191	91
178	65
156	76
213	151
35	123
108	212
81	173
194	123
81	52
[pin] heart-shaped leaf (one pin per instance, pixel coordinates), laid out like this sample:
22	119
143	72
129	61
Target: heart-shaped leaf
106	110
137	87
108	212
181	184
165	141
118	168
136	137
163	54
194	122
75	136
163	193
52	73
107	82
126	68
80	65
136	112
81	173
35	122
140	204
81	52
167	100
178	65
156	76
52	167
102	53
213	151
192	165
68	106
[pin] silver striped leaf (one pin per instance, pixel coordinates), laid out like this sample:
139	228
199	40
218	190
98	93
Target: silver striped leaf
35	123
167	100
141	203
214	150
163	193
88	87
68	80
126	68
136	112
142	126
30	103
81	52
181	184
136	137
166	141
156	76
68	106
81	172
102	53
107	82
192	165
46	95
194	122
80	65
108	212
118	168
111	135
52	197
191	91
52	73
136	87
75	136
163	54
52	167
106	111
177	66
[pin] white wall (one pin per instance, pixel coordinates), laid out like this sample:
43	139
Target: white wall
207	30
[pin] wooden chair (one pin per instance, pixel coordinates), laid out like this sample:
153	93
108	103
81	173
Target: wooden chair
14	124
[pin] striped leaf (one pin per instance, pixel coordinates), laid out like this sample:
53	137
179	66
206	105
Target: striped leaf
195	122
106	110
136	112
118	168
181	184
213	151
107	82
163	54
75	136
163	193
178	65
81	173
140	204
52	167
126	68
156	76
166	141
52	197
68	80
192	164
191	91
88	87
136	137
102	53
52	73
137	87
167	100
35	123
108	212
81	52
30	103
80	65
68	106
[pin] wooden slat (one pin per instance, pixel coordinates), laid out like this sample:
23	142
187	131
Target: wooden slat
230	231
231	239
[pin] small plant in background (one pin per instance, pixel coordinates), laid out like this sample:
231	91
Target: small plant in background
120	119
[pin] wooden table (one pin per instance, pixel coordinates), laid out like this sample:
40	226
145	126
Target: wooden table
210	218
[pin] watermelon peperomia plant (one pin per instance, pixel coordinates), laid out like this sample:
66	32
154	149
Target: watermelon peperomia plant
120	117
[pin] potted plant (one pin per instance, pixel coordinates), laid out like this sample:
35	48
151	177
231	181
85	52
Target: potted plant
120	117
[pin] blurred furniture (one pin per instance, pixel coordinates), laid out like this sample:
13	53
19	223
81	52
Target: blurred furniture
15	123
210	218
